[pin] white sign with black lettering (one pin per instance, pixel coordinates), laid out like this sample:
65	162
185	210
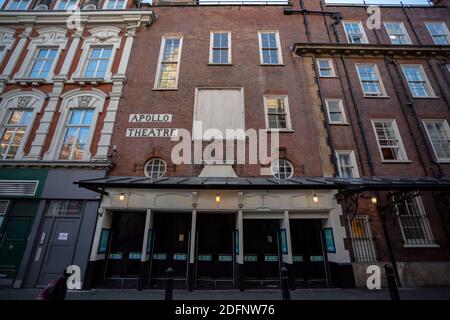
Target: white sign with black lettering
151	132
150	118
63	236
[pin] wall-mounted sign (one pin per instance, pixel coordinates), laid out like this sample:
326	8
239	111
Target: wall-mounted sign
179	256
134	256
225	258
159	256
150	118
250	258
151	132
204	257
115	256
270	258
297	258
329	240
63	236
283	238
104	239
316	258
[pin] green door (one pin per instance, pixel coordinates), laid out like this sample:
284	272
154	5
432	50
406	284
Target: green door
12	244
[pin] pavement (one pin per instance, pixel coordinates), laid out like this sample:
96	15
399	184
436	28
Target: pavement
423	293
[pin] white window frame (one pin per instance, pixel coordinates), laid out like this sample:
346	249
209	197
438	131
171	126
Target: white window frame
426	228
48	37
405	32
290	164
15	100
364	40
341	108
430	91
71	100
161	52
68	5
6	40
286	106
427	23
330	63
105	5
380	80
97	39
35	58
8	7
152	159
447	129
397	136
211	47
351	154
280	54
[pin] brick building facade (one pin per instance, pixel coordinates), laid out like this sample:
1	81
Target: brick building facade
361	176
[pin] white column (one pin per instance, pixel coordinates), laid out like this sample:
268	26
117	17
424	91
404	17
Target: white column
147	226
70	56
109	121
6	75
44	126
284	224
240	228
126	53
193	236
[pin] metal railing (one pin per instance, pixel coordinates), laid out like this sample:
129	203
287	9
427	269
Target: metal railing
362	239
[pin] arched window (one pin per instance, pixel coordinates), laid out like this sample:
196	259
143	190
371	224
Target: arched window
282	169
17	113
75	129
155	168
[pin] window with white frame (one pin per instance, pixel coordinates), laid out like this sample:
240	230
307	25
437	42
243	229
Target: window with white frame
355	33
418	82
397	33
277	112
439	32
155	168
448	67
18	4
217	111
77	134
389	140
270	47
14	129
7	40
65	4
98	62
282	169
362	238
439	134
413	221
169	62
370	79
346	162
335	111
220	47
114	4
43	63
326	68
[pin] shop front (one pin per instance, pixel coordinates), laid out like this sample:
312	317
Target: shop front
215	238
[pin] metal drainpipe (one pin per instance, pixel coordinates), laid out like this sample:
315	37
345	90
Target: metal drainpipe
326	121
410	129
305	21
374	29
418	122
325	22
441	89
358	116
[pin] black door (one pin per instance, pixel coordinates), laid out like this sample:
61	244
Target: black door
171	245
214	262
307	250
261	251
126	245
